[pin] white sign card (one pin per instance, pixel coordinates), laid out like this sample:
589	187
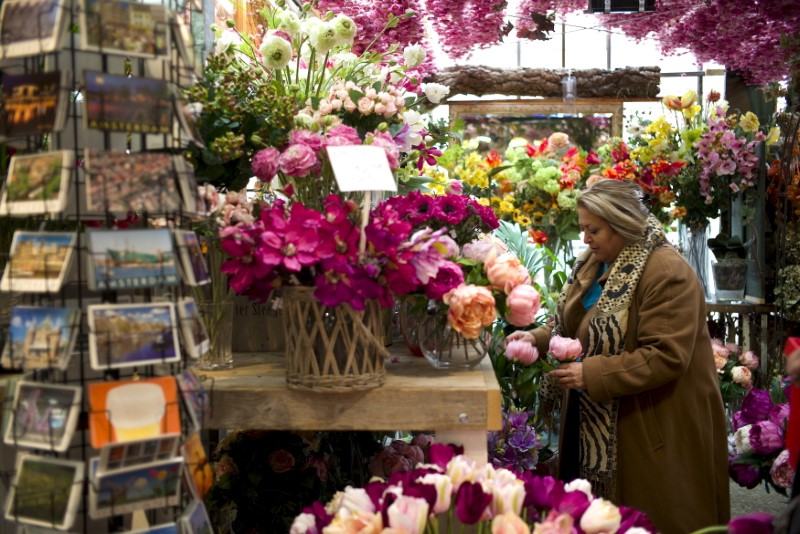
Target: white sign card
361	168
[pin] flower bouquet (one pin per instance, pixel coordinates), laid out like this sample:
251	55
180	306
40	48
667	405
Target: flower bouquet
453	491
735	367
758	451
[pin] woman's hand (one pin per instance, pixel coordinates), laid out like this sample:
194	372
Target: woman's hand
521	335
568	376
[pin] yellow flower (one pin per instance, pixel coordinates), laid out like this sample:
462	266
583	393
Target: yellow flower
773	135
506	207
749	122
522	220
484	201
678	212
691	111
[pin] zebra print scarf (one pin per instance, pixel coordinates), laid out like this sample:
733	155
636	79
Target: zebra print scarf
607	335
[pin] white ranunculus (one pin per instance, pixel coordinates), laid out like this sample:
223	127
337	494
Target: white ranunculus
435	91
345	29
227	41
601	516
276	52
289	22
323	38
413	55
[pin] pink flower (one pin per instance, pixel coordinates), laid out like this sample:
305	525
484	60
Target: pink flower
556	523
307	137
343	135
265	163
385	141
781	471
297	160
521	351
523	302
409	514
749	359
471	309
509	523
449	276
742	376
505	272
565	349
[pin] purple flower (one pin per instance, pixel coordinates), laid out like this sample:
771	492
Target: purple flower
297	161
573	503
447	277
471	502
632	518
755	523
542	493
779	414
766	438
755	406
744	474
265	163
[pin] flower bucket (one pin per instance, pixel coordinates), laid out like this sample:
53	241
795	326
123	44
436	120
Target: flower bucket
332	349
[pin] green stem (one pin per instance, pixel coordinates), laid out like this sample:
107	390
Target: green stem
715	528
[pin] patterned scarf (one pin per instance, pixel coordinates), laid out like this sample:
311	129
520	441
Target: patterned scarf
607	334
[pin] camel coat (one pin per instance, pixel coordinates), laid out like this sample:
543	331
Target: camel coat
671	431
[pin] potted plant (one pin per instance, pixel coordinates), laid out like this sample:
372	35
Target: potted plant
730	267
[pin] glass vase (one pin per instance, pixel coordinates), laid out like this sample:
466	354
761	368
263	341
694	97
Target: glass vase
217	318
445	348
694	245
410	314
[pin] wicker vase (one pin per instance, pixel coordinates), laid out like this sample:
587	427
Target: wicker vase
332	349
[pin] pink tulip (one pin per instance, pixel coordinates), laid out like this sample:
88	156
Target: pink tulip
523	303
509	523
565	349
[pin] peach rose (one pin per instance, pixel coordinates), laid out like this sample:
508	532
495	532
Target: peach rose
505	272
558	140
523	302
471	308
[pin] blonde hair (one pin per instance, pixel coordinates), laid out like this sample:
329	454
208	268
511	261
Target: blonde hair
619	203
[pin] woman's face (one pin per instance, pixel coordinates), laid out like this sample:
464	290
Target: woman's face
604	242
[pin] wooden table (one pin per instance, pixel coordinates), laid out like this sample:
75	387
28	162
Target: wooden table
459	406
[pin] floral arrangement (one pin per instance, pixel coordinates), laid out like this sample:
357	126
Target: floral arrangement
453	491
759	451
516	446
735	368
264	478
268	105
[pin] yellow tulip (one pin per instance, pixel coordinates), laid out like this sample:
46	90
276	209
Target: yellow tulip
773	135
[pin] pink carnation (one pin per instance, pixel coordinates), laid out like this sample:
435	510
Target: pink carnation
297	160
521	351
307	137
565	349
342	135
265	163
523	302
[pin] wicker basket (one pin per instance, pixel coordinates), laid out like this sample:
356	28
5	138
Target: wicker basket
332	349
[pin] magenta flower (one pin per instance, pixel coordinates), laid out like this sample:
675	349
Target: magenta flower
471	502
427	155
292	245
756	405
343	135
744	474
297	160
632	518
265	163
401	278
450	209
307	137
448	276
755	523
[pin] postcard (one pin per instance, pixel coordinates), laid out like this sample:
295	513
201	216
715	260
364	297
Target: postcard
127	28
131	410
166	528
125	259
38	261
195	518
195	337
198	468
143	451
192	259
43	416
32	104
130	335
155	485
37	183
123	104
45	492
40	338
119	182
30	27
193	202
195	397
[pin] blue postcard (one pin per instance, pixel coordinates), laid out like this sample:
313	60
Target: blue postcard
125	259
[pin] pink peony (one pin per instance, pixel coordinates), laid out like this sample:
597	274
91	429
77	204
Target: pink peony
343	135
565	349
448	276
265	163
749	359
505	272
471	309
742	376
521	351
781	471
523	303
297	160
306	137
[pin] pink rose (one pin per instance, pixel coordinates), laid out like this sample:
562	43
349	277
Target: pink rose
720	349
265	163
521	351
471	308
742	376
749	359
523	302
719	362
365	105
565	349
297	160
505	272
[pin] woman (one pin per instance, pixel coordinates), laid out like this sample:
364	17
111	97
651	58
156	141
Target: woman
642	413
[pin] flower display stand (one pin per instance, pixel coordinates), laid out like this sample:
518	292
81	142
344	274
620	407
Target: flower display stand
459	407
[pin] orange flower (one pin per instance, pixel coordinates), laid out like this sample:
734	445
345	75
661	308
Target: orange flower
493	159
471	309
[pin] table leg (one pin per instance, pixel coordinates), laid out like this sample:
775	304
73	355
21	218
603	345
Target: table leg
474	442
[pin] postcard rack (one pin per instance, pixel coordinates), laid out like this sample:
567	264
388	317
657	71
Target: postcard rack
101	408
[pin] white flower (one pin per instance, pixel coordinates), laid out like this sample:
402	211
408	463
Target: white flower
303	524
345	29
227	41
444	490
413	55
323	38
741	440
276	52
357	500
742	376
579	484
415	125
601	516
408	514
435	91
289	22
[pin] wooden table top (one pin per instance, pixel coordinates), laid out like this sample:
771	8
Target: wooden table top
416	396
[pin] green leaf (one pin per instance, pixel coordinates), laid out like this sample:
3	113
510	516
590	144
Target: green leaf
355	96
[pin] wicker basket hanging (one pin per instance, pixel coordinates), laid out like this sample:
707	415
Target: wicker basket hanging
332	349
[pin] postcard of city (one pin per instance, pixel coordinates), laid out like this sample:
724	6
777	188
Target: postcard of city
122	104
38	261
131	259
40	338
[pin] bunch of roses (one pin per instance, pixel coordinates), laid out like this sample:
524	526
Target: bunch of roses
735	367
759	450
297	245
431	497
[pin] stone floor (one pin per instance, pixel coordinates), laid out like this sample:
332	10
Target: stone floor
747	501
